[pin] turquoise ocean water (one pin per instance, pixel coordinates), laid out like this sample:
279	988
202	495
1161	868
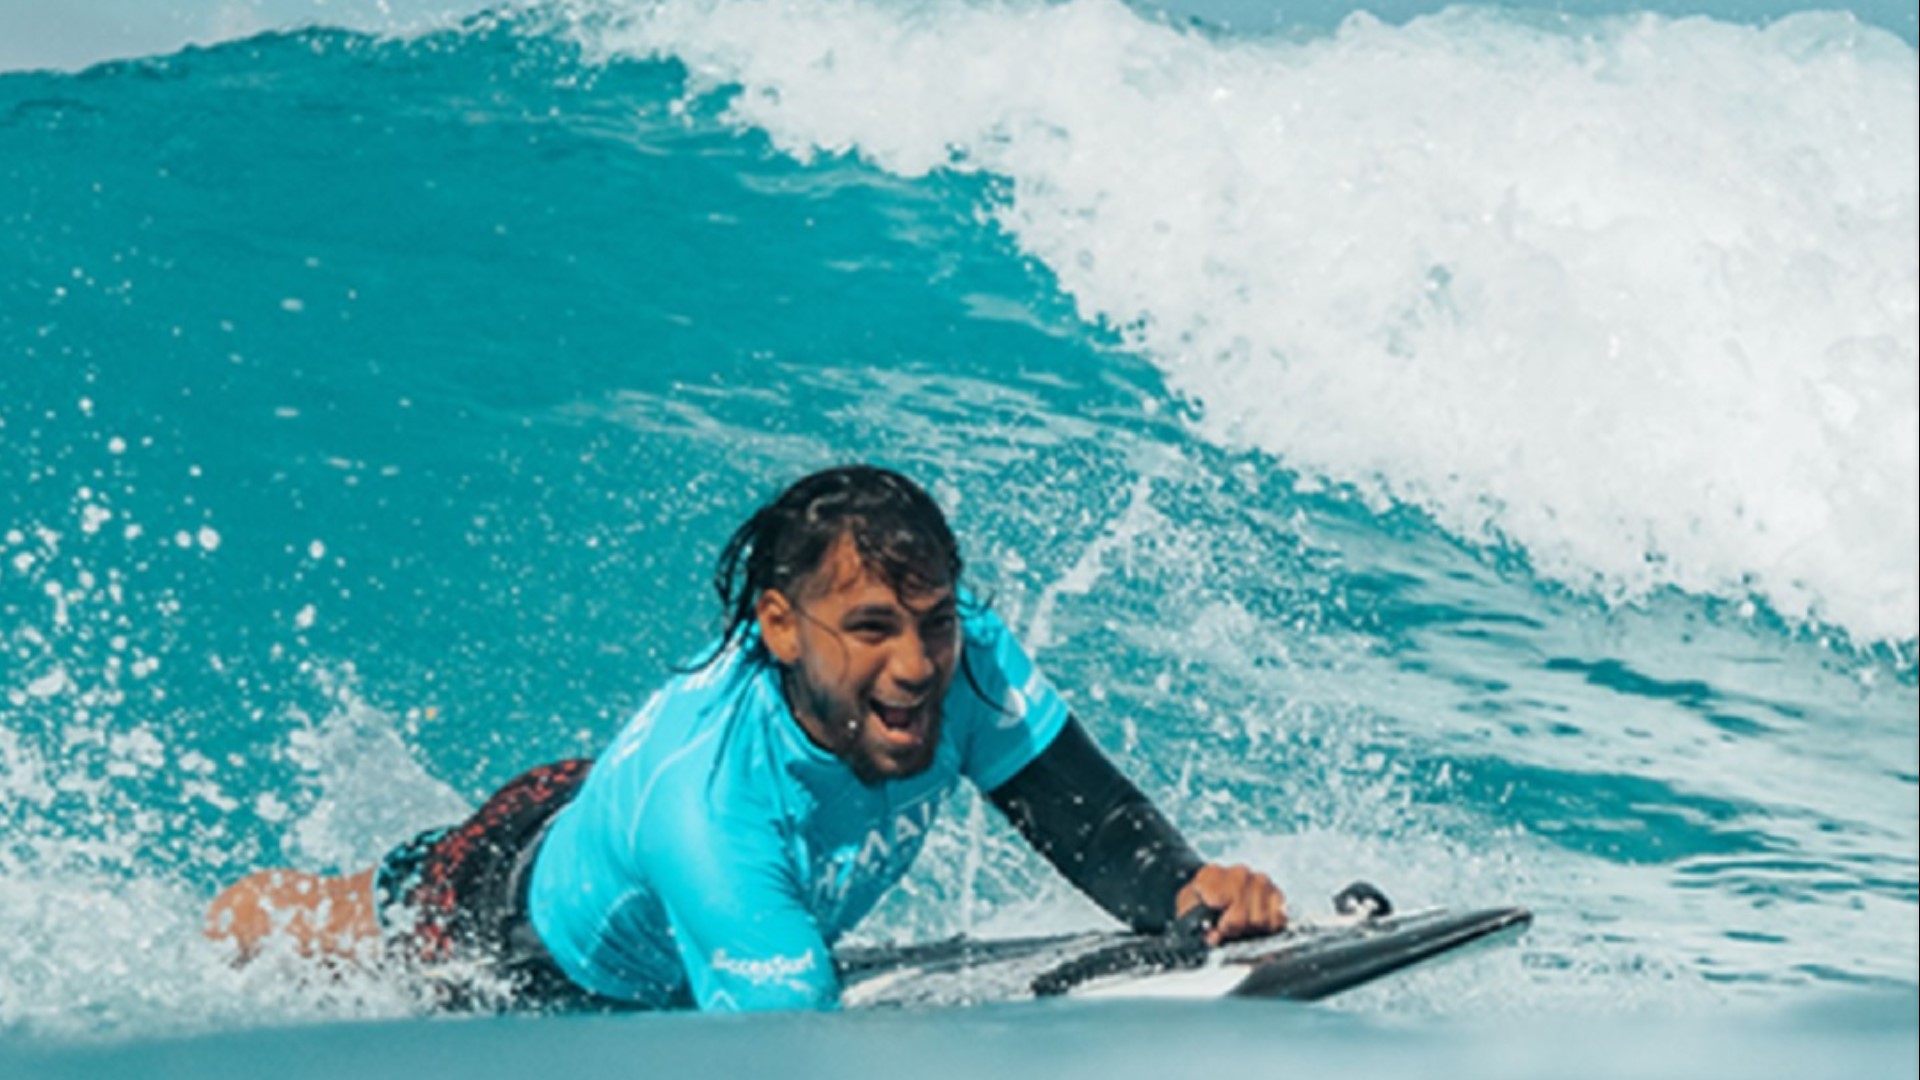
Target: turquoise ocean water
1472	451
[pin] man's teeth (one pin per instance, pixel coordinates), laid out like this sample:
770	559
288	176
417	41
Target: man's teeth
894	716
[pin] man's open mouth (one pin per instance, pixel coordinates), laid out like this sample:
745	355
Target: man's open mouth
905	719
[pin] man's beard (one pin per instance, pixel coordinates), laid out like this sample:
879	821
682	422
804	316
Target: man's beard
846	725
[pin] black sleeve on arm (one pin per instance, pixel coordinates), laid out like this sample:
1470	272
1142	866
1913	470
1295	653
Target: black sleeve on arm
1096	828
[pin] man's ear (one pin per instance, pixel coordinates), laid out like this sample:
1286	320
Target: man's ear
779	625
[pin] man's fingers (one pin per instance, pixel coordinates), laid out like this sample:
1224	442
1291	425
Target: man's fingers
1217	888
1247	903
1239	883
1259	909
1273	910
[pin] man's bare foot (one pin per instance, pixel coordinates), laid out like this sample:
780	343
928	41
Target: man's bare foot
319	915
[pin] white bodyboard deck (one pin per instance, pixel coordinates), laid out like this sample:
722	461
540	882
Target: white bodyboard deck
1302	963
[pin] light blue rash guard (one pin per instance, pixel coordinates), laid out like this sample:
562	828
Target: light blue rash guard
715	853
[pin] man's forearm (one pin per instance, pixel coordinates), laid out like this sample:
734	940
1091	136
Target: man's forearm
1096	827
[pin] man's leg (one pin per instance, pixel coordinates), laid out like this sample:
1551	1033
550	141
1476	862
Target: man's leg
451	889
319	915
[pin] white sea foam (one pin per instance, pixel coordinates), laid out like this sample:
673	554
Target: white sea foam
1637	296
376	793
98	942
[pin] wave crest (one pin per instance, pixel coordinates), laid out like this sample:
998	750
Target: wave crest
1634	295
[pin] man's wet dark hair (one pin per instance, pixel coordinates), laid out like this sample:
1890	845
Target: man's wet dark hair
897	531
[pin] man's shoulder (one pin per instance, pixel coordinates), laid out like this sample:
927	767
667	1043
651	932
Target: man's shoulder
694	778
980	625
689	722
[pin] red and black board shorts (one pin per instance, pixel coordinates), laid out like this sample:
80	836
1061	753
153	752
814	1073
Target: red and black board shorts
452	901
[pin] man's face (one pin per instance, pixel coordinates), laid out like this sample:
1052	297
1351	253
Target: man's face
867	667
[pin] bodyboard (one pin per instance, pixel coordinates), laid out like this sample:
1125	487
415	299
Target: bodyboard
1303	963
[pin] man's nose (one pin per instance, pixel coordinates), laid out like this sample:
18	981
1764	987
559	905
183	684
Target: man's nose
911	665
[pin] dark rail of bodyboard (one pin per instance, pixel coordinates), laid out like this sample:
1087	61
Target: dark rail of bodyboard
1303	964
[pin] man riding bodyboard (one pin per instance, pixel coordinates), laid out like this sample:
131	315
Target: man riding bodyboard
763	801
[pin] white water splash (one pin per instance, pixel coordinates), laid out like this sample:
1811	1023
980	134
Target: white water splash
99	942
373	792
1638	297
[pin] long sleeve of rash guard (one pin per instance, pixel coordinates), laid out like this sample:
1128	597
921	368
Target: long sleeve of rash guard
1099	831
